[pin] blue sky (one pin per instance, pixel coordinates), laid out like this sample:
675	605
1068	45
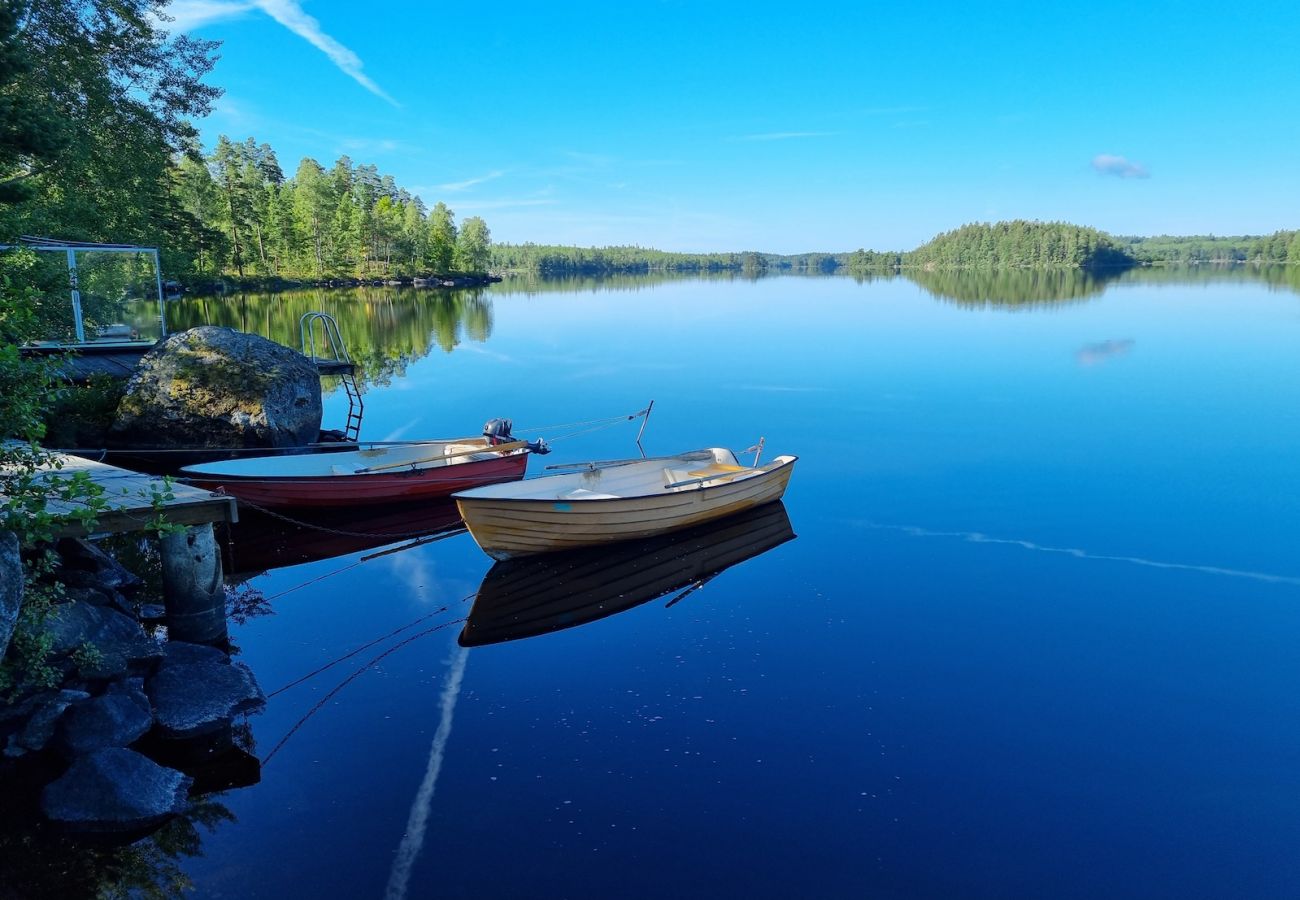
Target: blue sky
780	127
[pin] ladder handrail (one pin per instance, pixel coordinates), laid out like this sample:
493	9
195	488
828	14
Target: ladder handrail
332	336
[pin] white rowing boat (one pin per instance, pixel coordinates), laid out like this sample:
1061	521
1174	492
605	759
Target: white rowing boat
619	501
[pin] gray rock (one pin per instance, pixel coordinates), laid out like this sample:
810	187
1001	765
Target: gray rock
45	717
99	596
197	690
11	587
216	387
115	790
85	565
180	652
117	637
112	720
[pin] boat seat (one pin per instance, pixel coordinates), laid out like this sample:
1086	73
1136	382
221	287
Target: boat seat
584	494
716	469
343	470
482	451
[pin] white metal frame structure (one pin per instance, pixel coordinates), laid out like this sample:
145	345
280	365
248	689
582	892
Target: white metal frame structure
72	248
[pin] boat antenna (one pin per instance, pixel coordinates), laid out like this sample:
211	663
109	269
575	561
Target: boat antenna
645	420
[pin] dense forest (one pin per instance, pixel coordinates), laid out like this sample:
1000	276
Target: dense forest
1279	247
1020	245
348	220
557	260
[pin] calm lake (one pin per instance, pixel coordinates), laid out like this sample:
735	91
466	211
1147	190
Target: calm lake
1031	628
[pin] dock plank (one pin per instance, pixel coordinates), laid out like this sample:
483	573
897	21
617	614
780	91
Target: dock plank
130	498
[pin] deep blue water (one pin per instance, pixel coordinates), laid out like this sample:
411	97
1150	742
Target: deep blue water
1036	635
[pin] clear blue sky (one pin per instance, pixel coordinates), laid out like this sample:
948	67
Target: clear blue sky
781	127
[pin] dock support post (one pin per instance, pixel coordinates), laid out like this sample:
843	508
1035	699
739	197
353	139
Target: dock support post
194	592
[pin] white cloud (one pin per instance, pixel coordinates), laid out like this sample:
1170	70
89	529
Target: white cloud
1119	166
189	14
455	186
185	15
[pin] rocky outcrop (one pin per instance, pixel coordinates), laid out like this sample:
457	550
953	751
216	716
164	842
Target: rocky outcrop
115	790
216	387
11	587
116	638
198	689
44	711
116	719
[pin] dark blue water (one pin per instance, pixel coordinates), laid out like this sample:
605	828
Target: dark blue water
1036	635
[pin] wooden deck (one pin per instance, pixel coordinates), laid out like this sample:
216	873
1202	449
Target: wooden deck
119	360
130	499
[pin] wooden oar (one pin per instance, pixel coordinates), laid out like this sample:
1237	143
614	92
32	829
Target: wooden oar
498	448
694	456
715	477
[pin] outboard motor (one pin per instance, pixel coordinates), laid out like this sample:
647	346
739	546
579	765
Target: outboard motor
497	431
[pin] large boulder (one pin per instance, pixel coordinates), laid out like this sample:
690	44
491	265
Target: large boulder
216	387
115	790
197	690
11	587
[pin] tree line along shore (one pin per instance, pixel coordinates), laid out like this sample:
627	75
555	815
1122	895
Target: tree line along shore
1018	244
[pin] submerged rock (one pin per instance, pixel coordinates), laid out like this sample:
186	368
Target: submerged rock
116	719
198	689
11	587
115	790
216	387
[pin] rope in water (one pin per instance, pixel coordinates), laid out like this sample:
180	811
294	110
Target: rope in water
351	653
395	535
356	674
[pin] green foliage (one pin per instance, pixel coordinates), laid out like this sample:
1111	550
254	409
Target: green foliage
1020	244
116	92
348	222
553	260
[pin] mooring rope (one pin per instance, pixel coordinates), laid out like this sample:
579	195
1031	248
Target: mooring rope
452	530
356	674
351	653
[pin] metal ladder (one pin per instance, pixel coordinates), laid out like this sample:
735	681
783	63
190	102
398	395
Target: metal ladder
332	340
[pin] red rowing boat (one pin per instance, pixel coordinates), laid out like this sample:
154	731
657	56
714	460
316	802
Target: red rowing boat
371	475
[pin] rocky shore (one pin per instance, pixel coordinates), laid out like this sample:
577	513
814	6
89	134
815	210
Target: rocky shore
124	702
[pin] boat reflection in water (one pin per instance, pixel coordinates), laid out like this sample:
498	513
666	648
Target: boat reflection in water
260	541
524	597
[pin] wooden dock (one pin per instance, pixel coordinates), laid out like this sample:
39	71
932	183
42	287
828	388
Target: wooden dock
130	499
86	361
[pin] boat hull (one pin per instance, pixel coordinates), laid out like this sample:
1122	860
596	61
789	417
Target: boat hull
399	486
507	528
